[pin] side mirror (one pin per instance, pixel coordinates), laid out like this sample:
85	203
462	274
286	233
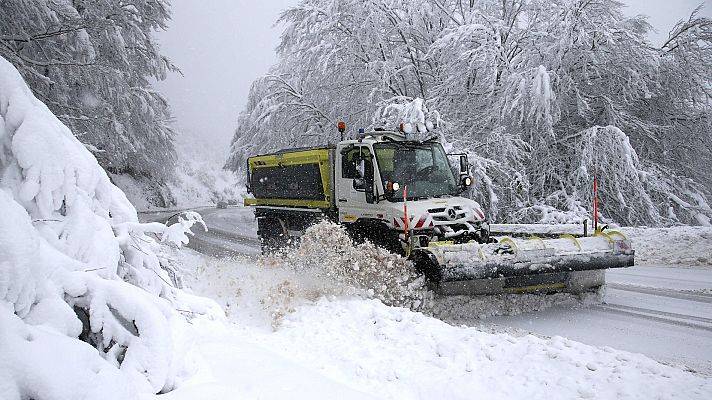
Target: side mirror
364	181
464	164
361	168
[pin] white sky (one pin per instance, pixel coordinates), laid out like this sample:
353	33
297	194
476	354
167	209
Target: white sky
221	46
663	14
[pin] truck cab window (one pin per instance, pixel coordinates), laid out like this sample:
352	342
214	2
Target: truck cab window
350	162
423	167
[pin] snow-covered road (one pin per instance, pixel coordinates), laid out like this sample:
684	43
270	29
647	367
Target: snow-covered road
663	312
232	231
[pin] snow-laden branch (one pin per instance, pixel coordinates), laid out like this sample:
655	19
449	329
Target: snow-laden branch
84	296
536	77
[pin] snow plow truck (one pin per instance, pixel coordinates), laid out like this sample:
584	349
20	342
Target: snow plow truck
402	192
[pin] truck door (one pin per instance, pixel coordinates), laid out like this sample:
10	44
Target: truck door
355	176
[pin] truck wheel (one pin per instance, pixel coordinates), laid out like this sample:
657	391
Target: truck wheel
376	233
272	233
386	239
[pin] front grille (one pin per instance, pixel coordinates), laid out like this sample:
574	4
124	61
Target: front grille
440	214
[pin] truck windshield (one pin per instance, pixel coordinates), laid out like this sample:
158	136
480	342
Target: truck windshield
423	167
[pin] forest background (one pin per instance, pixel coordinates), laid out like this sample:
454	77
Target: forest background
543	95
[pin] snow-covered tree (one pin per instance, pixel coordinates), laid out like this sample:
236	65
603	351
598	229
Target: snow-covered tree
84	294
339	61
91	62
543	95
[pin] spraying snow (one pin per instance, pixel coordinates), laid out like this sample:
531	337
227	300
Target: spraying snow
325	263
327	252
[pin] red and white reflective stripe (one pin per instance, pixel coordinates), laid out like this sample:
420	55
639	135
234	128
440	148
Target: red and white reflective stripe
421	222
399	223
414	222
479	213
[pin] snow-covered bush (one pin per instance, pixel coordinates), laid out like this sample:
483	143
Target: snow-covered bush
83	297
629	190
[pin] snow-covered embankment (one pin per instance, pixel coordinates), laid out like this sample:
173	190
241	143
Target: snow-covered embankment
86	311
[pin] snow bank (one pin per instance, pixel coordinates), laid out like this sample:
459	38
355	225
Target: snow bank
676	246
395	353
86	309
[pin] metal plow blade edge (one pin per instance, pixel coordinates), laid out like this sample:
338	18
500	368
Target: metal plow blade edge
524	265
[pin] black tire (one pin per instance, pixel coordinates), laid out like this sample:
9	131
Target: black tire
378	234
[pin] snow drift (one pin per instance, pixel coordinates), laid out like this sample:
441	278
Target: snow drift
342	346
86	311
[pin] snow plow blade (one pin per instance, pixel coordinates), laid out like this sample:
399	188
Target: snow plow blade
523	265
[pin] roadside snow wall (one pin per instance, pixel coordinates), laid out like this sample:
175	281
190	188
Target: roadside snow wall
86	311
